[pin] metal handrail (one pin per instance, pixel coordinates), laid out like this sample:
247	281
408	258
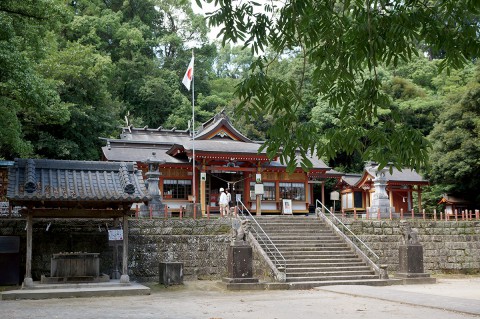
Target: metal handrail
262	237
348	229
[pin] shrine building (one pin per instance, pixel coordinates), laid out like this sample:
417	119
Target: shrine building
218	157
357	189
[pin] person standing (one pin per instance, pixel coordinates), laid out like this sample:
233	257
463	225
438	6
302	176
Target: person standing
223	203
229	197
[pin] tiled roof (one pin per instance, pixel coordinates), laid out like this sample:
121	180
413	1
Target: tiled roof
351	179
316	163
224	146
74	182
216	122
139	153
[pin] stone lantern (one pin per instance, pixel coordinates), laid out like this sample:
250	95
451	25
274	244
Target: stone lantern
155	207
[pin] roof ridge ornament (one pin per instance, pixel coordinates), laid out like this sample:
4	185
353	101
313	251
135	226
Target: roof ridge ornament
127	185
30	178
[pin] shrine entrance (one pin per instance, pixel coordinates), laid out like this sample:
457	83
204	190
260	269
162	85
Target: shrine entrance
233	181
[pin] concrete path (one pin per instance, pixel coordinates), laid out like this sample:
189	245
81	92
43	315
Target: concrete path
456	295
205	299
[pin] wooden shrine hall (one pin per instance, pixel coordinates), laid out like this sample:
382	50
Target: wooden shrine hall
357	189
223	158
74	189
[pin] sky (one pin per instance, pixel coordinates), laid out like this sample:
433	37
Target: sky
206	7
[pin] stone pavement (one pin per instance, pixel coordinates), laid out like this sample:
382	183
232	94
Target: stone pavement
450	298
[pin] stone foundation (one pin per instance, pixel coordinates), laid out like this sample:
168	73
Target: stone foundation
449	247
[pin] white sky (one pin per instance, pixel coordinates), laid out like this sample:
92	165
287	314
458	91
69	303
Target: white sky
206	7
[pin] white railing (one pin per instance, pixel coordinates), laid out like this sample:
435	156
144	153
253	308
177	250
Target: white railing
349	237
262	238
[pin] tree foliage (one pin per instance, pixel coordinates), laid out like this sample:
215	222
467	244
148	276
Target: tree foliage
345	43
456	144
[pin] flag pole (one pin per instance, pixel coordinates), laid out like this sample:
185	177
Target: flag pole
193	145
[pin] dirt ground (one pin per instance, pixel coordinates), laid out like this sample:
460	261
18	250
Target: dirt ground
206	299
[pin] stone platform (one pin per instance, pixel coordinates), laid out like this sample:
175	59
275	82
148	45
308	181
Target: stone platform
49	291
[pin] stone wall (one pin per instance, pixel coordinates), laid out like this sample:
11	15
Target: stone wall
202	244
448	247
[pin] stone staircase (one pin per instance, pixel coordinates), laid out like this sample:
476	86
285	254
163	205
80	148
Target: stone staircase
314	254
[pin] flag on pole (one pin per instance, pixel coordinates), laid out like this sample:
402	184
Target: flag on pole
187	79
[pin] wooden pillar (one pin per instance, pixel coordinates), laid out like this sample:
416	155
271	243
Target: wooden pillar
259	205
419	192
203	181
28	281
125	279
390	195
259	197
323	197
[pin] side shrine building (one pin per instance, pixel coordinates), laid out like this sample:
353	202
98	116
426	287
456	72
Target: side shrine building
219	157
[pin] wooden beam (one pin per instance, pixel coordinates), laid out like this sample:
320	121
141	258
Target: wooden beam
76	213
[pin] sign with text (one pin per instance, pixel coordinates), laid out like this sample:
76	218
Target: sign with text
115	234
287	207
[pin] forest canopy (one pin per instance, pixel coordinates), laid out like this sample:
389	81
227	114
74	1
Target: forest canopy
351	81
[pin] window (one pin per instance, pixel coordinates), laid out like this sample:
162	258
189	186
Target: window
177	189
268	191
295	191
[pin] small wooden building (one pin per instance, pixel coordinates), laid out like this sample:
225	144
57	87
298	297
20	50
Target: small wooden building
453	204
74	189
357	189
218	157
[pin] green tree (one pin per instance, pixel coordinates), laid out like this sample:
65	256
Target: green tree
456	144
83	76
345	43
27	97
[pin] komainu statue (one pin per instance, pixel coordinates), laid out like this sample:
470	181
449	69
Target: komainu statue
240	234
410	235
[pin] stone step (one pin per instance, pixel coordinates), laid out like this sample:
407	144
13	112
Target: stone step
303	254
314	254
316	262
300	237
313	284
309	245
310	269
312	250
333	277
326	263
316	274
296	231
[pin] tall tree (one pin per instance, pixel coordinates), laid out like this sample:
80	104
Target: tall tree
456	143
345	42
27	97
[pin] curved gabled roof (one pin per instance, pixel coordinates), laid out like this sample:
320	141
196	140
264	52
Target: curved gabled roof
403	176
220	125
61	184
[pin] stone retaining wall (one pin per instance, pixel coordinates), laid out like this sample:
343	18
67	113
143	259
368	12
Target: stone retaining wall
448	247
202	244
